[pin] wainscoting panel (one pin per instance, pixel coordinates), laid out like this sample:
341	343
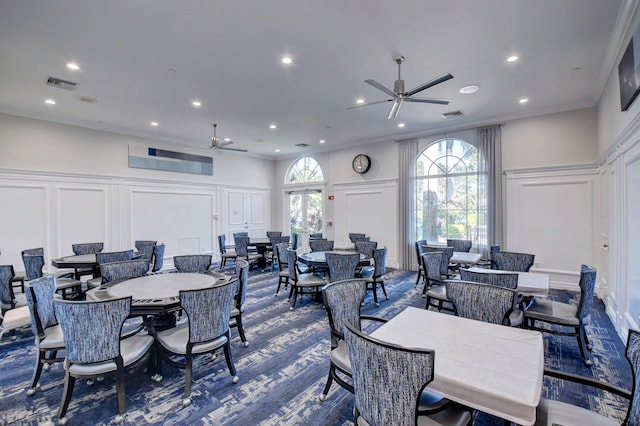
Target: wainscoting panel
550	213
632	234
82	216
370	209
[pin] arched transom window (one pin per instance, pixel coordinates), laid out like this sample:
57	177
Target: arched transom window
305	170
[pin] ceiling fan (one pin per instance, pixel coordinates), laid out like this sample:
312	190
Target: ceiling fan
216	144
398	94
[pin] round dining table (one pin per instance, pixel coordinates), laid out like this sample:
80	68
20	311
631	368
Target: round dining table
316	259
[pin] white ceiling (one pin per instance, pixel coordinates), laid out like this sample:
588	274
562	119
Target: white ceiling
147	60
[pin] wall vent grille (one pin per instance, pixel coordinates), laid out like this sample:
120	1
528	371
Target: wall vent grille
453	114
302	145
61	84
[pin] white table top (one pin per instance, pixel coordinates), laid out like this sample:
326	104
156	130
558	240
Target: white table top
492	368
529	283
465	258
161	286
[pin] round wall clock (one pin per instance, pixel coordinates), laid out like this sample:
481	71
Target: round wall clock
361	163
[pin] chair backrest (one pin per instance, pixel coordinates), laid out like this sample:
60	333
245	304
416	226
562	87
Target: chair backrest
281	252
460	245
316	236
379	262
587	287
33	252
33	264
431	266
39	293
387	379
274	234
494	248
419	250
500	280
342	300
242	272
158	257
242	245
295	240
321	245
208	310
353	236
510	261
114	256
123	270
633	355
145	248
87	248
192	262
222	243
277	239
447	252
366	247
481	302
292	265
7	297
102	318
239	234
342	266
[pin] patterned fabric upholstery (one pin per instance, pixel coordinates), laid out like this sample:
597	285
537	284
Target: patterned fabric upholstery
316	236
274	234
240	234
295	238
419	251
40	300
91	330
447	252
321	245
353	237
342	299
633	355
587	288
242	272
481	302
158	257
7	296
460	245
509	261
342	266
387	379
242	245
208	311
281	251
123	270
192	263
380	262
33	252
366	247
431	262
87	248
114	256
500	280
33	266
145	248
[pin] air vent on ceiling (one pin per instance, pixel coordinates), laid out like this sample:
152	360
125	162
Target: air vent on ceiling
453	114
61	84
302	145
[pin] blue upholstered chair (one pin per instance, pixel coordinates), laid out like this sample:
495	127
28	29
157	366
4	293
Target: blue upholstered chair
366	247
316	236
510	261
434	289
8	298
226	252
301	284
33	260
124	270
389	380
483	302
242	272
95	347
419	250
145	248
550	412
446	259
271	254
283	266
85	248
242	250
377	276
114	256
354	236
460	245
565	315
48	334
342	266
192	263
321	245
158	258
274	234
497	279
295	241
206	331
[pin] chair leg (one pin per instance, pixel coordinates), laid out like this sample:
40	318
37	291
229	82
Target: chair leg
374	289
384	290
241	330
122	403
229	359
37	372
327	386
69	382
223	260
295	297
188	368
418	277
582	344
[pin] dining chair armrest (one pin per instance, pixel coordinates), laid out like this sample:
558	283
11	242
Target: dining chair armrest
588	381
372	318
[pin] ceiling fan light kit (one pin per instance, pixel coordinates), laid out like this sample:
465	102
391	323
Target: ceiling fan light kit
399	95
216	144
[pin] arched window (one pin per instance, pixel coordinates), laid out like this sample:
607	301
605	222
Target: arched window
451	193
305	170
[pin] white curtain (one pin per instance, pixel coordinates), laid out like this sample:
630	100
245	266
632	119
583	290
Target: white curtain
408	152
490	147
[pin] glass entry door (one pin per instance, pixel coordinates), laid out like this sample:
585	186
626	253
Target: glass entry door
305	215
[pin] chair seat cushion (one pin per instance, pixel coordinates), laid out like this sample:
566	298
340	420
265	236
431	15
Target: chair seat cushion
340	357
516	317
229	255
62	283
254	256
94	282
175	340
452	415
284	273
15	318
367	271
132	349
554	312
53	338
310	280
551	412
438	292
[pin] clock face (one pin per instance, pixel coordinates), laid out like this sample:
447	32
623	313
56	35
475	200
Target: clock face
361	163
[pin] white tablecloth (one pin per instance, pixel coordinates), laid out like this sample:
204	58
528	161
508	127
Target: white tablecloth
492	368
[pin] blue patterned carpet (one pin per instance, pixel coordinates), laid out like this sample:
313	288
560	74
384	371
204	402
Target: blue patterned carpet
281	373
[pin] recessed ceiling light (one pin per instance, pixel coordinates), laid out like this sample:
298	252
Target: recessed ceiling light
322	141
287	60
196	104
227	139
50	102
523	100
154	123
359	101
73	66
512	58
272	126
466	90
277	150
401	125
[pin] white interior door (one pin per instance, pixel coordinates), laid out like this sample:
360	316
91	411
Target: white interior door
248	211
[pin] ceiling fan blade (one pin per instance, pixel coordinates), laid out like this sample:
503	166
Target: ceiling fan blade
429	101
428	84
233	149
380	87
395	109
369	103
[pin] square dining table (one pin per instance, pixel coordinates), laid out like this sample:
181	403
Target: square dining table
529	283
492	368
